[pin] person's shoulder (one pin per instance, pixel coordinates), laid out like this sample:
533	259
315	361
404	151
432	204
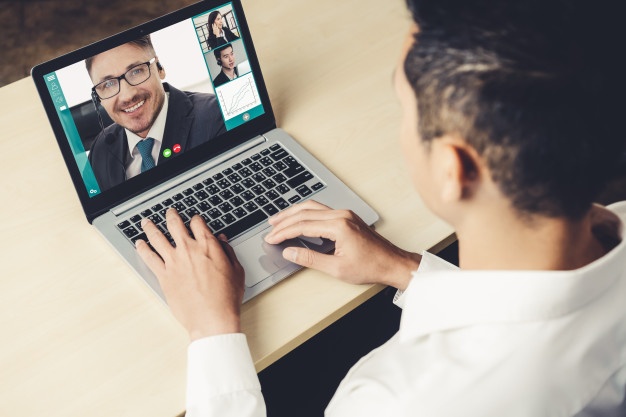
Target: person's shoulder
201	99
108	136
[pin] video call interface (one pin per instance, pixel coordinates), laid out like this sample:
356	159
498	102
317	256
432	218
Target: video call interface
110	103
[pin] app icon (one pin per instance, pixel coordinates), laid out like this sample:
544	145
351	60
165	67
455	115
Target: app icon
167	152
176	148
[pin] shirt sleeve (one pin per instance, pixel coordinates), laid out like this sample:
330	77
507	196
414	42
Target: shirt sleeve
428	263
221	378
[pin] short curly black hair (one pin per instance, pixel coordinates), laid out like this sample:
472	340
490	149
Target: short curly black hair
531	86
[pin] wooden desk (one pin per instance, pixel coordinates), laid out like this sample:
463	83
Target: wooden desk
81	333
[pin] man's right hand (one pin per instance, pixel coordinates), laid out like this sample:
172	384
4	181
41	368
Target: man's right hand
361	255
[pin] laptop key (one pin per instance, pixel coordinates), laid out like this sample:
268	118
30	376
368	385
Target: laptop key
203	206
227	171
294	199
265	152
215	200
225	207
213	189
317	186
156	207
258	177
282	188
245	172
280	166
261	200
130	232
299	179
198	186
201	195
141	236
237	188
146	212
247	195
240	212
281	203
234	178
279	178
192	212
293	170
304	191
246	161
190	201
179	207
258	189
244	224
178	197
278	155
214	213
269	171
250	206
208	181
188	192
255	157
237	166
136	218
267	161
272	195
228	218
248	183
269	183
270	209
123	225
155	218
236	201
256	167
226	194
275	147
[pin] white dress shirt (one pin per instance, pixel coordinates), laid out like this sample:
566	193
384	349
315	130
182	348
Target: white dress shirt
156	132
471	343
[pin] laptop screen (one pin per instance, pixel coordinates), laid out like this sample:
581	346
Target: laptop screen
154	98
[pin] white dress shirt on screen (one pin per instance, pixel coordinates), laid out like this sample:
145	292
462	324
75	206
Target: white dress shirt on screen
156	132
471	343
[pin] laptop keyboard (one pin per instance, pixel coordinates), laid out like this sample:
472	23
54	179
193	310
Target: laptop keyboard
235	199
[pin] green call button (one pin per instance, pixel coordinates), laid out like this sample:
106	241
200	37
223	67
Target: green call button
167	152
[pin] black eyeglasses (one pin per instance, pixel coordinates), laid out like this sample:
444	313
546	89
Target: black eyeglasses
134	76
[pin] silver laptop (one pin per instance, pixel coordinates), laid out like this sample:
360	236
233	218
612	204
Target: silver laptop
175	113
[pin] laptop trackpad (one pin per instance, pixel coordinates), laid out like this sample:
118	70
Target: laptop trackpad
261	259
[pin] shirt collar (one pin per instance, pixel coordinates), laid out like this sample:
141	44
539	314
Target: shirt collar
156	131
442	300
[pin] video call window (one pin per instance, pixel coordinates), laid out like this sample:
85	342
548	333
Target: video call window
173	68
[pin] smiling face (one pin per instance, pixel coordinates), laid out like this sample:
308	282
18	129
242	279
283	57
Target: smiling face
135	107
218	21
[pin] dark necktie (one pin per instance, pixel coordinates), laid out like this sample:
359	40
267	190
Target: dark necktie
145	149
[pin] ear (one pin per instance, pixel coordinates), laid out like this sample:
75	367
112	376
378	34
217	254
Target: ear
460	170
160	69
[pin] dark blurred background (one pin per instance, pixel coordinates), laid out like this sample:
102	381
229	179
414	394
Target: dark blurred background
34	31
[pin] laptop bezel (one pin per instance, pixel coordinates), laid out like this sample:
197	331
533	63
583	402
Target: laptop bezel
95	206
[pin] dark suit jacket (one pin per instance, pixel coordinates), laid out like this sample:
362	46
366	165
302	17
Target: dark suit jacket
217	41
223	78
192	119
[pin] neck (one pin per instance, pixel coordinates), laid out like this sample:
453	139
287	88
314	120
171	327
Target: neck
229	72
497	238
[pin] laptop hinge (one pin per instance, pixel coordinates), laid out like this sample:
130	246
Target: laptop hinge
176	181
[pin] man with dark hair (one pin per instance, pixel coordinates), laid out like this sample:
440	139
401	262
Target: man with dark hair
225	58
509	131
153	120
